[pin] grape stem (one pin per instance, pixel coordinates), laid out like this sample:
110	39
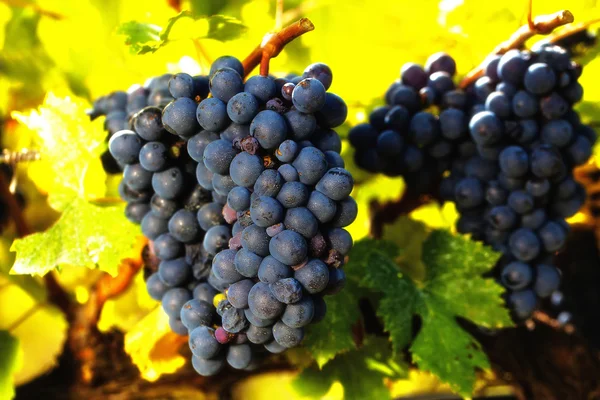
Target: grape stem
540	25
571	30
272	45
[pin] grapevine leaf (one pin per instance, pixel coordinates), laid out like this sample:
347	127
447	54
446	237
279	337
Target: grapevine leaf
148	38
24	322
333	335
454	267
9	363
70	146
361	372
153	348
138	34
450	286
86	235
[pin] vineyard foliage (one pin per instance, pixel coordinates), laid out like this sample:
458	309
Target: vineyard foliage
57	56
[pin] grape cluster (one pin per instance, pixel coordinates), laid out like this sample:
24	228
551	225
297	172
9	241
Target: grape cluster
520	187
120	107
245	197
503	150
422	127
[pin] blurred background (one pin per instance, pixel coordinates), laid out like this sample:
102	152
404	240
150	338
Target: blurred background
87	48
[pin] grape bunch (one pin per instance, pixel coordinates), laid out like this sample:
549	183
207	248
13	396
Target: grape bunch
529	139
511	140
119	107
244	196
422	127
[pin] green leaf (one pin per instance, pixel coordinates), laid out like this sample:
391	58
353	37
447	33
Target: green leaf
137	34
449	286
9	363
333	335
148	38
361	372
71	146
86	235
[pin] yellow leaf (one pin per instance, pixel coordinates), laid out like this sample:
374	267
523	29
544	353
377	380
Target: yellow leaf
70	145
278	385
125	311
153	348
435	216
40	328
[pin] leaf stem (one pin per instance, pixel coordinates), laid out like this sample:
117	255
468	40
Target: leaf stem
272	45
540	25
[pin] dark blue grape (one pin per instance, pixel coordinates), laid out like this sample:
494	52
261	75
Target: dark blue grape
261	87
148	124
258	335
153	226
333	113
125	146
321	72
499	103
245	169
441	82
177	326
552	236
403	96
287	290
179	117
334	160
197	143
156	287
216	239
210	215
413	75
469	193
309	95
136	177
266	211
299	314
218	156
521	201
205	292
163	208
262	303
517	275
174	272
168	184
211	114
239	198
336	184
293	194
524	244
239	356
274	347
204	176
345	214
514	161
286	336
256	240
512	67
557	132
225	83
301	126
311	165
269	128
554	106
222	184
237	294
339	239
337	281
203	343
184	227
539	79
546	162
390	143
287	151
302	221
206	367
227	62
154	156
247	263
579	151
182	85
534	220
537	187
288	247
174	299
523	303
167	247
242	107
269	183
135	212
453	124
223	267
235	132
234	320
486	128
483	87
440	62
547	280
197	313
314	276
502	218
271	270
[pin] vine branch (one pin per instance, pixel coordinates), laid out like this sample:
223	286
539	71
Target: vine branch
571	30
272	45
540	25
